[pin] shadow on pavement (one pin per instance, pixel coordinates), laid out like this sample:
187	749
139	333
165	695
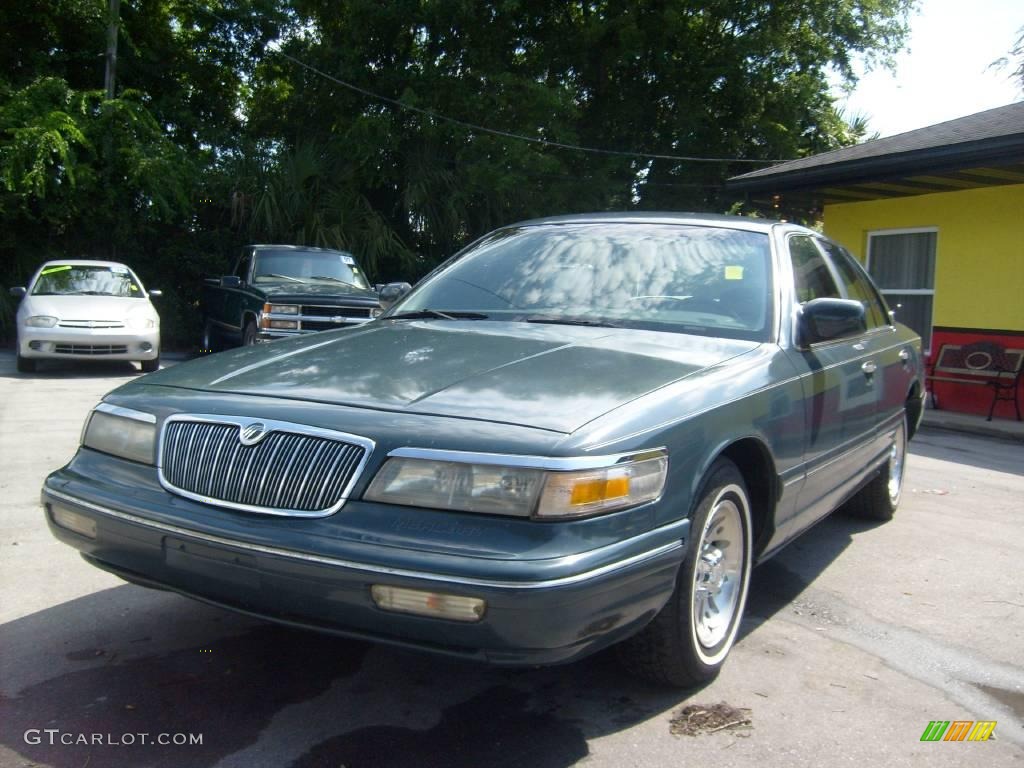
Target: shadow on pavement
61	369
327	701
971	450
131	661
777	583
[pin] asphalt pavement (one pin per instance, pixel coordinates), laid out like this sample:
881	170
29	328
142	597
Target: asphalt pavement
856	637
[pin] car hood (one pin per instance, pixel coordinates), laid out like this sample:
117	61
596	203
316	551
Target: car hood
287	290
549	377
86	307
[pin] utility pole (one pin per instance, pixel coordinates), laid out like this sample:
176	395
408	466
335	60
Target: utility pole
115	10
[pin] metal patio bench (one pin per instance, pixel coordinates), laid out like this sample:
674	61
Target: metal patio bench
987	364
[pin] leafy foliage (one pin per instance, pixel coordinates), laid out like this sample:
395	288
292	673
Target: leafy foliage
233	121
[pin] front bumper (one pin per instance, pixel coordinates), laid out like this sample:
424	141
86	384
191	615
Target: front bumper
544	612
89	343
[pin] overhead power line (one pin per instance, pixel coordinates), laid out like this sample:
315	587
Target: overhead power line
498	132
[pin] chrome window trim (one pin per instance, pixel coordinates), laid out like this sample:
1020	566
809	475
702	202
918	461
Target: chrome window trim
549	463
125	413
271	425
562	581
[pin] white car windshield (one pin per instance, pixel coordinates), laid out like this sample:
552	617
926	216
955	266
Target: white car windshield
80	280
705	280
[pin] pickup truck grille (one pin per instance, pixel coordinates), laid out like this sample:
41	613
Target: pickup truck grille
288	469
320	311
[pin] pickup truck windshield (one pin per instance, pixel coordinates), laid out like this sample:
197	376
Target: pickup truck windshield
307	267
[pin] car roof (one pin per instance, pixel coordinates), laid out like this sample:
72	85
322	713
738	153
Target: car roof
663	217
268	246
84	263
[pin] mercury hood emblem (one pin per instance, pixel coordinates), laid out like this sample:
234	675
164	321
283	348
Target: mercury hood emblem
252	433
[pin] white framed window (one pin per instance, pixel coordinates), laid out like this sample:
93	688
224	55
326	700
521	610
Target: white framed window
902	264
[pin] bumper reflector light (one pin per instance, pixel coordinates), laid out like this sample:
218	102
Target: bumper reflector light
73	521
435	604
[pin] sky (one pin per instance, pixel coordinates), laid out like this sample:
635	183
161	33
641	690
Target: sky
944	73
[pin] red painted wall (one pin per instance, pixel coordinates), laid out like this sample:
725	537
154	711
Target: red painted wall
969	398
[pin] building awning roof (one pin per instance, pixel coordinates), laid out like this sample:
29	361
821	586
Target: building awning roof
979	150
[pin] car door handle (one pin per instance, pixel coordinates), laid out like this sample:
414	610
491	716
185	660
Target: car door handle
869	368
904	356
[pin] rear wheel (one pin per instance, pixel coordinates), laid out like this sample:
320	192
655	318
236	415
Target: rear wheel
687	642
26	364
878	499
210	342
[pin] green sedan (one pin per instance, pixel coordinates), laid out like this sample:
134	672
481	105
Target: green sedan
577	432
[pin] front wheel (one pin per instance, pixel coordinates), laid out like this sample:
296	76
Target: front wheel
249	334
879	499
148	366
687	642
26	364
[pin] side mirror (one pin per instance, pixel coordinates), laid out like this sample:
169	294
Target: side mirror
230	281
18	293
830	319
392	292
156	293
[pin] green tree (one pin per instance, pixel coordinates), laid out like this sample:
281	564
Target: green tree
730	79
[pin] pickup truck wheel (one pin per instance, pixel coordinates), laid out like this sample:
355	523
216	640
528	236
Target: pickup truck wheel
687	642
249	334
878	499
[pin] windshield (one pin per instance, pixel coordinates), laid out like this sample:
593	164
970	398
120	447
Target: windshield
78	280
692	279
324	267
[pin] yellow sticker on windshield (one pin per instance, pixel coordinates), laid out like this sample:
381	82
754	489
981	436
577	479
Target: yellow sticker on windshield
55	269
733	273
135	287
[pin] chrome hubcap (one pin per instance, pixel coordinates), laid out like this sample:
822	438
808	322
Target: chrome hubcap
897	454
719	574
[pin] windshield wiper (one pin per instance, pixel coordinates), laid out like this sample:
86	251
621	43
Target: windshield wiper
283	277
436	314
555	320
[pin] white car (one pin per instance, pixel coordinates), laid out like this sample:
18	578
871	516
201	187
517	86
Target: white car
87	310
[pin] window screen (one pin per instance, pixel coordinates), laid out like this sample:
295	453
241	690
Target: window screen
902	264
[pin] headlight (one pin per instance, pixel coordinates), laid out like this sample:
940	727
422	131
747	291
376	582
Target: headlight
141	323
281	309
522	491
122	432
41	321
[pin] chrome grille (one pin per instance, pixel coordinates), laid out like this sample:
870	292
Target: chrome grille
291	470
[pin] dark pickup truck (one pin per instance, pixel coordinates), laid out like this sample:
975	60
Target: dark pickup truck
278	291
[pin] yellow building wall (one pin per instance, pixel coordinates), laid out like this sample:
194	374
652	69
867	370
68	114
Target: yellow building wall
979	260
